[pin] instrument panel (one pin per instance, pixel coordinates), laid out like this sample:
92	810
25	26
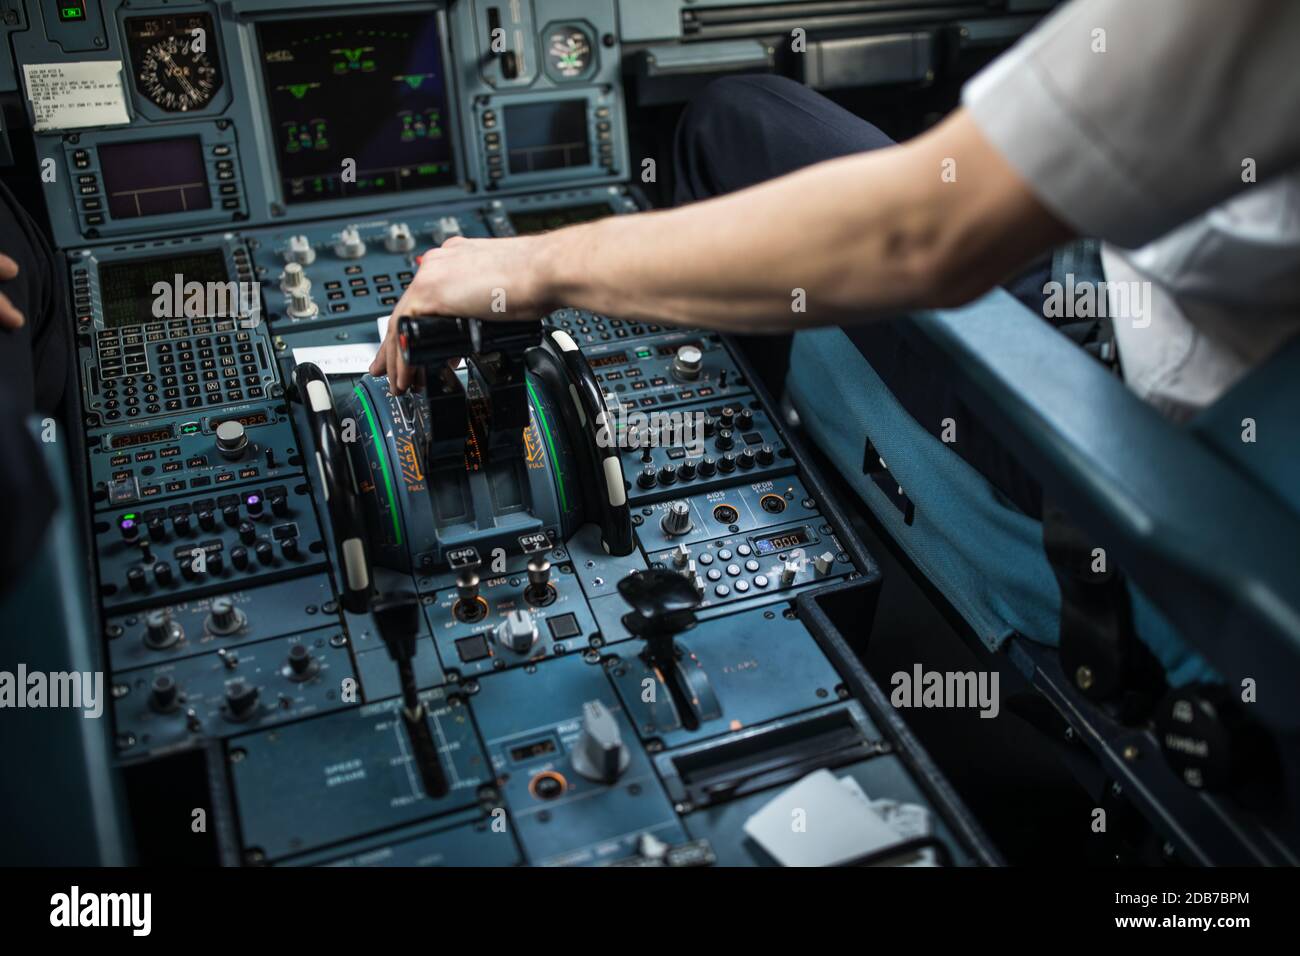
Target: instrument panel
572	586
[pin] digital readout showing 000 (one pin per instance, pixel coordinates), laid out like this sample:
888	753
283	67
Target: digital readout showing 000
782	541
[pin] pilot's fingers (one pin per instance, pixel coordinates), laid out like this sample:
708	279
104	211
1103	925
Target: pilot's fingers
8	268
400	371
10	316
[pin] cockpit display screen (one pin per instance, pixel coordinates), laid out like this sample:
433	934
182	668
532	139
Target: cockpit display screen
358	104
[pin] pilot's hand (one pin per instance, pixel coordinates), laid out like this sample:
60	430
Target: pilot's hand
466	278
10	316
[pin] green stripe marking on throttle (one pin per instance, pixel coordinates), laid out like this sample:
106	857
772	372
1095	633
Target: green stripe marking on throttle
383	460
555	461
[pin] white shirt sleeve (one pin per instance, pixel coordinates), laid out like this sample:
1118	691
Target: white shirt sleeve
1130	117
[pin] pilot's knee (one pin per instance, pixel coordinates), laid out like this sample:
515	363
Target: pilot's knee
732	98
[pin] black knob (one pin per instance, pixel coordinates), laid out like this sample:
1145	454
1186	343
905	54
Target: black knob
279	505
223	617
745	419
300	660
129	528
663	605
231	515
247	532
207	520
765	455
265	553
686	470
157	528
727	417
708	466
725	440
289	548
710	426
215	564
253	502
647	478
162	572
239	557
746	459
241	698
164	694
181	524
667	475
1208	740
136	579
190	569
727	463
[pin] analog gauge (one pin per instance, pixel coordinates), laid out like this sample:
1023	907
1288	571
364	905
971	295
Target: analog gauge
568	52
175	61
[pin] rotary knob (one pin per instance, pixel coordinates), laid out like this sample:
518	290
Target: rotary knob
160	631
766	455
129	528
517	632
725	440
298	250
398	238
162	572
727	417
447	227
232	440
241	699
301	305
164	695
686	470
293	278
746	458
727	463
677	519
349	245
648	477
224	617
688	363
667	475
600	754
302	666
708	466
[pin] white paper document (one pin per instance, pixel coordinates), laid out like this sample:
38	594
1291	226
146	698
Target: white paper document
353	359
75	95
818	822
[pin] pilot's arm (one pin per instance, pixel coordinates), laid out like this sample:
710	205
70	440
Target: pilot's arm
1114	119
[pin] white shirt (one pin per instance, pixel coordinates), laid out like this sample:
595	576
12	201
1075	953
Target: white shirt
1170	129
